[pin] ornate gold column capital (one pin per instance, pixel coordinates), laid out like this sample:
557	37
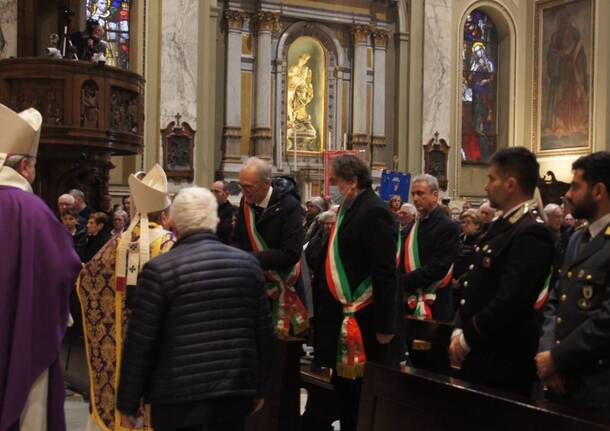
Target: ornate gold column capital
380	37
267	21
235	19
361	32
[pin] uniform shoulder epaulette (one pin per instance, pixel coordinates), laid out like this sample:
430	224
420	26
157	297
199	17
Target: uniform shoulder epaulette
608	231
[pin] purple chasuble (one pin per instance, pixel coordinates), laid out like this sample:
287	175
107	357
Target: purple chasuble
38	268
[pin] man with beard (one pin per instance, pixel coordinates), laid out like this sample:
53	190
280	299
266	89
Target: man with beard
495	336
574	360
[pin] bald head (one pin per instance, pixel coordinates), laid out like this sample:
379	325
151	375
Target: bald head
255	180
64	202
220	189
486	213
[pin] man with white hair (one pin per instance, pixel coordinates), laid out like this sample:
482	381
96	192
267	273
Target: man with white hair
107	288
64	202
487	214
198	346
270	225
38	268
406	217
428	254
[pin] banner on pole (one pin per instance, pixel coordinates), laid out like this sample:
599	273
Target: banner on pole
394	183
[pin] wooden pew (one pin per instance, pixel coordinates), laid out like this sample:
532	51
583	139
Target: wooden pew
321	409
408	399
282	406
428	341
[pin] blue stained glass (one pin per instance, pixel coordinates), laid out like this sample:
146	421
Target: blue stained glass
479	89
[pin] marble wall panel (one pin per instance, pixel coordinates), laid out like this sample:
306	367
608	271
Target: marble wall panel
437	97
8	28
179	53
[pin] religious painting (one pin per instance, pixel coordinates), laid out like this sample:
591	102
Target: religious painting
479	88
113	16
306	96
563	76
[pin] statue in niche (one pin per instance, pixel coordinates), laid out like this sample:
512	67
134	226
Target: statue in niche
300	95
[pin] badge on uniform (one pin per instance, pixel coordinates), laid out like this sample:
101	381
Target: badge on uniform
486	262
584	304
587	292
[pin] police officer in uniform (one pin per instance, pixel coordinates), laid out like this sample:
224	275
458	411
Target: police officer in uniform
574	358
496	336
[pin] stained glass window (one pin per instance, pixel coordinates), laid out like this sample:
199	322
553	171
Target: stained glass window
113	15
479	88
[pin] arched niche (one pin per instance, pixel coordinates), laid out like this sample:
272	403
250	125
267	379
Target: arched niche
335	61
472	177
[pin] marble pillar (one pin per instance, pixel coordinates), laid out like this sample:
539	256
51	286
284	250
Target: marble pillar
359	138
437	66
380	38
232	127
265	23
8	28
179	67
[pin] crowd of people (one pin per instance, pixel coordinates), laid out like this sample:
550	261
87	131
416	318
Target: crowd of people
181	300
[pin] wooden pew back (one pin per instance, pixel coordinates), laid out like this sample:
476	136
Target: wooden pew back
406	399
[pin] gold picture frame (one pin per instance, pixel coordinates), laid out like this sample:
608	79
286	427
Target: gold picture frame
563	77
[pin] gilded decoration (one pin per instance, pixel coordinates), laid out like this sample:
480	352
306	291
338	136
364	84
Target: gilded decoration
380	38
267	21
305	95
235	19
361	32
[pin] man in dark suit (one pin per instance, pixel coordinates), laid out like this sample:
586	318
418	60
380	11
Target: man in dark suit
270	225
495	336
360	288
225	211
428	254
574	359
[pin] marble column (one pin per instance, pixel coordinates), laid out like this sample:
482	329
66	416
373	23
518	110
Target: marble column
179	67
265	23
232	128
380	37
437	66
359	136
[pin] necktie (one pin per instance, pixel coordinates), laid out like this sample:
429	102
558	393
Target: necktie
258	210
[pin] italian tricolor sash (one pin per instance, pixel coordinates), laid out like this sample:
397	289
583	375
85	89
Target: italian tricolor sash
288	310
350	350
544	293
421	300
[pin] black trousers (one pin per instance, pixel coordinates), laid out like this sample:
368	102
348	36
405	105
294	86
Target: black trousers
347	395
220	414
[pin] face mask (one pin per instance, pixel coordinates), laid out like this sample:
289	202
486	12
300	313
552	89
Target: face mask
335	195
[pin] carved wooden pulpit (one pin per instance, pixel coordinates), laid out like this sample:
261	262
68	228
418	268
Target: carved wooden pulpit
90	112
178	140
436	154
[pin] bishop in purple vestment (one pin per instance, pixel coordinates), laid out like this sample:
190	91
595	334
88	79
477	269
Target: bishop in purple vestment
38	268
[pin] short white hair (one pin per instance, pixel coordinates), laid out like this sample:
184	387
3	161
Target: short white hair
551	208
67	197
262	168
409	208
428	179
194	208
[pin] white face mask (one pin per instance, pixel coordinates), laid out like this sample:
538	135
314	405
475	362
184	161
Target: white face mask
335	195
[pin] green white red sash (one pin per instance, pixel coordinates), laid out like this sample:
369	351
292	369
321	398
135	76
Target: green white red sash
351	356
421	300
288	310
544	293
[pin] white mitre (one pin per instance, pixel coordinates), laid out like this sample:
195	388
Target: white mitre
20	136
20	132
148	195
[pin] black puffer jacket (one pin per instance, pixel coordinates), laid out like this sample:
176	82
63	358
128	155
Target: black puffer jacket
200	329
